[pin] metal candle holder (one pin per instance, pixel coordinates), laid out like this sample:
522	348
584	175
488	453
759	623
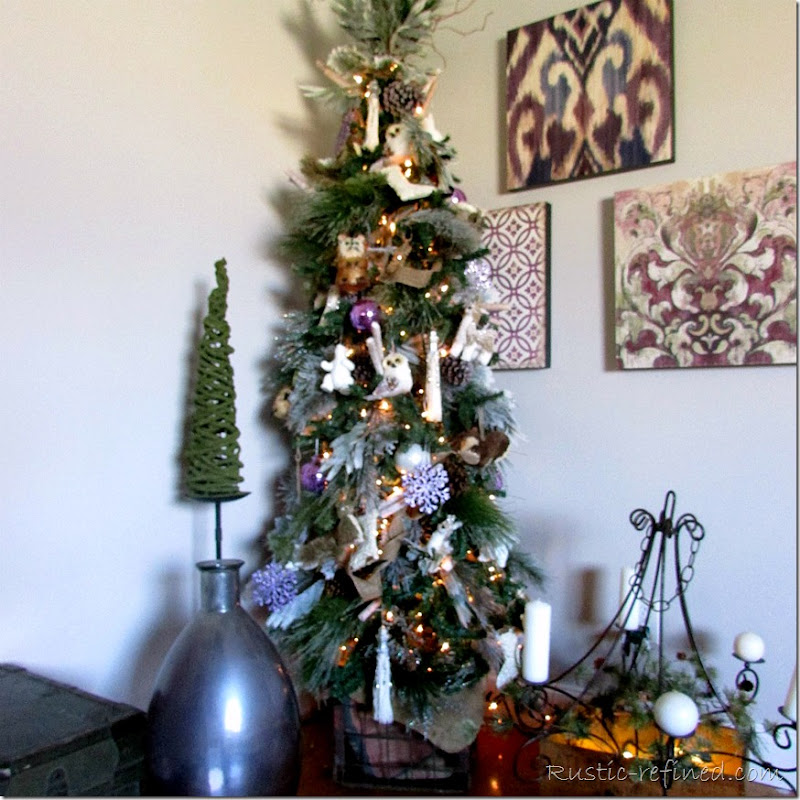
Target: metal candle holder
540	710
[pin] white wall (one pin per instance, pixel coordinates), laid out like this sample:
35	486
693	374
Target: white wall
144	139
141	141
602	442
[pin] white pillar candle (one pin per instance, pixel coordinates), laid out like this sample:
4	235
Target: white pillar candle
790	703
630	617
536	647
748	647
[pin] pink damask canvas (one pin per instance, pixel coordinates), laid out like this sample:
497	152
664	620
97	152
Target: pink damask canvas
706	271
518	240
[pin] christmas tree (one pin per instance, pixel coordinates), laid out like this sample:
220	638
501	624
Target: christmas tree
392	577
212	469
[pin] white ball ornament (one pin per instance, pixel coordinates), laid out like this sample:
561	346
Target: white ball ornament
749	647
676	714
412	458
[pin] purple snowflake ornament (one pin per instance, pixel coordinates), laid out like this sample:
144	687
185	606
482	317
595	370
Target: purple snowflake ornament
427	488
274	586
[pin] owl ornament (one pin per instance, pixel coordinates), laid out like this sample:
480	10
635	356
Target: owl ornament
397	149
396	379
352	263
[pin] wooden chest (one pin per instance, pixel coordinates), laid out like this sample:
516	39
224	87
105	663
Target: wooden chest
58	740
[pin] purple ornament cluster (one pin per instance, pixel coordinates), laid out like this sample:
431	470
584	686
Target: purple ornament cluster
274	586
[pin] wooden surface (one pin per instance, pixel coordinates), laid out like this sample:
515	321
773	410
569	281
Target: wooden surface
572	772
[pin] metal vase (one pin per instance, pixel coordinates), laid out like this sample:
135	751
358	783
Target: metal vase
223	719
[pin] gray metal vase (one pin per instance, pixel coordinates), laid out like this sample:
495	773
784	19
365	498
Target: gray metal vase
223	719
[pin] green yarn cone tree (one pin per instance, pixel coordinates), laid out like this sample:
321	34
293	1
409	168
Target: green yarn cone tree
211	455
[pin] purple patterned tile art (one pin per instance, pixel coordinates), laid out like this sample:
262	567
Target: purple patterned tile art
519	257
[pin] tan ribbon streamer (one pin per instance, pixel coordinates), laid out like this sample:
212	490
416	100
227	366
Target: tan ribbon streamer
370	588
396	272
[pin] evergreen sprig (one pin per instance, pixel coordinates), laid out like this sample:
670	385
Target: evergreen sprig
483	521
400	28
633	691
353	205
315	640
454	236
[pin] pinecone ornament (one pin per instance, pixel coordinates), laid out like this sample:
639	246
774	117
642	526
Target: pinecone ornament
363	372
455	371
457	473
400	98
341	585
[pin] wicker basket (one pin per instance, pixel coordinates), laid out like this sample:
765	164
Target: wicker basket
368	754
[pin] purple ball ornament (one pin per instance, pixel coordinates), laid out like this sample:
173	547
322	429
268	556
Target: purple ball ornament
311	477
458	196
499	482
363	313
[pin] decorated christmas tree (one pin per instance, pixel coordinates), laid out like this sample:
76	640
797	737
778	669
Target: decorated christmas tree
392	577
212	469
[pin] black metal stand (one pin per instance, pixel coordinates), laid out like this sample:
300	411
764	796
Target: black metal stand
633	664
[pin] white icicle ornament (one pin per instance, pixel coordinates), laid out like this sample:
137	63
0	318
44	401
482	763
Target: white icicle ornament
375	347
382	687
433	387
371	140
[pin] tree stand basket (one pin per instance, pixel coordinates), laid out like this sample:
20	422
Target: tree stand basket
369	755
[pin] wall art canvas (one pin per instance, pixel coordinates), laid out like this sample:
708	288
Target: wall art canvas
706	271
589	92
518	240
